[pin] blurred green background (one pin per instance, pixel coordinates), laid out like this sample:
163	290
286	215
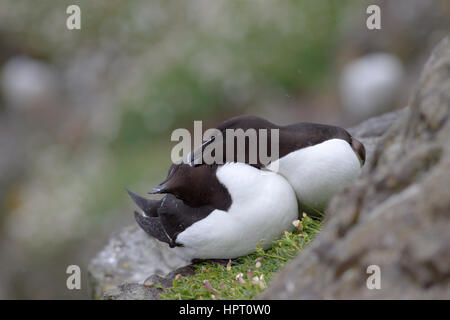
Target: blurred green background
85	113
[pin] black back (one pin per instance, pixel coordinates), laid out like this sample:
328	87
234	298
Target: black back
291	138
197	186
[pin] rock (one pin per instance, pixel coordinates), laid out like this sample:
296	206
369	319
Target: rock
131	291
121	268
149	289
397	216
370	131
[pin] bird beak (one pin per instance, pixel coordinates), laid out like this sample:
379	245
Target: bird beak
195	157
191	159
147	205
162	188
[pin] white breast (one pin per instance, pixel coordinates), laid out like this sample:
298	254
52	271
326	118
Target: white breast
263	206
316	173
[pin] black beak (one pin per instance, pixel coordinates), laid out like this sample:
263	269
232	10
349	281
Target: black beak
159	189
191	161
196	156
148	206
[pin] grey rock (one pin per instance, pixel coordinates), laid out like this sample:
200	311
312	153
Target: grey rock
167	281
131	291
127	261
370	132
397	216
149	289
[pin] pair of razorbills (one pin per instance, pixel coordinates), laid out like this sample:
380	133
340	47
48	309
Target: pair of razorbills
223	209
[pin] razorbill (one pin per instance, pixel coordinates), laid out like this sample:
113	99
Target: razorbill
228	211
316	159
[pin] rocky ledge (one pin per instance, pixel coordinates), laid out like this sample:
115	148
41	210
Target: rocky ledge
396	217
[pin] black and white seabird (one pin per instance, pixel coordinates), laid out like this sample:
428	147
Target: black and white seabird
316	159
218	212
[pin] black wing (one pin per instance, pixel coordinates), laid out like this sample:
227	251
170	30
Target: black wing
164	219
176	215
153	227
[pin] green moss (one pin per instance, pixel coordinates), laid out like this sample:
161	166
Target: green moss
250	275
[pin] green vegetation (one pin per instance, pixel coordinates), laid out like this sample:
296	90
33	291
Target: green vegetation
251	274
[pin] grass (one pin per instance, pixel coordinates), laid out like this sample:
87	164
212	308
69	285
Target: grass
250	275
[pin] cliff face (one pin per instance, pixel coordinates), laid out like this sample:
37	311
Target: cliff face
397	217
